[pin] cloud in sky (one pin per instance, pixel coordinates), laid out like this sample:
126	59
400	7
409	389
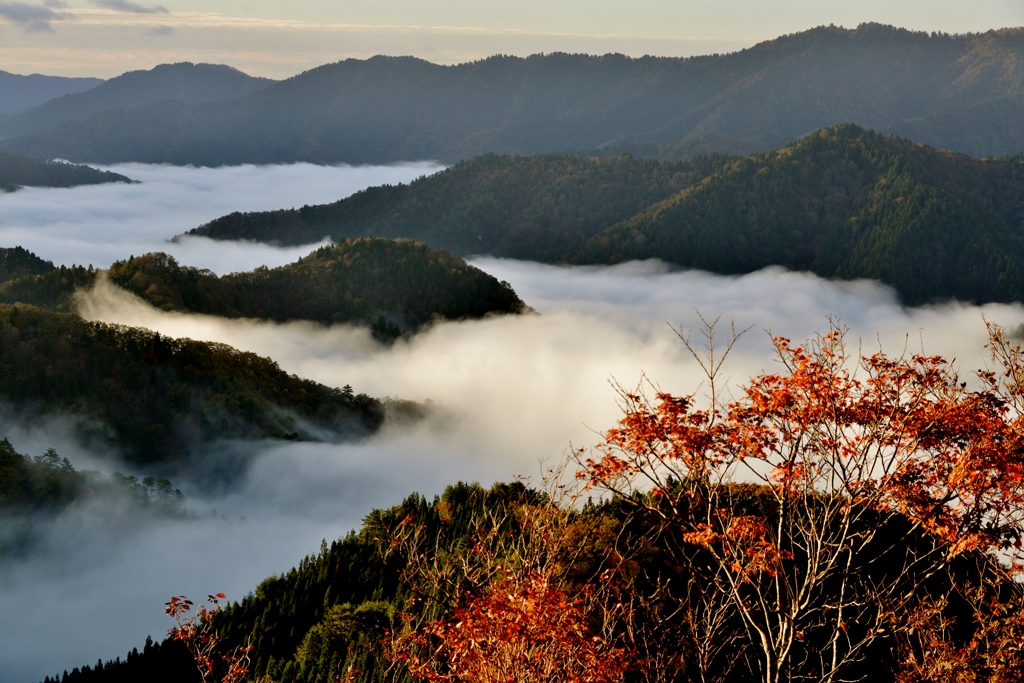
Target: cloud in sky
161	30
130	7
34	18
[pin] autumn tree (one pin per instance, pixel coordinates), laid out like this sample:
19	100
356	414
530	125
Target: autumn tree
201	639
815	508
504	607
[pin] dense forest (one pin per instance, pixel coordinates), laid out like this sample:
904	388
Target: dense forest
391	109
843	203
846	203
393	286
156	399
183	82
19	171
17	262
534	207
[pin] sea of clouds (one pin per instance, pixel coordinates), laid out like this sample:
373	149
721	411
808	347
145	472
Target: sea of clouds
509	393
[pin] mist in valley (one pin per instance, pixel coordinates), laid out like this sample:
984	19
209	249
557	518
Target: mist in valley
506	394
100	224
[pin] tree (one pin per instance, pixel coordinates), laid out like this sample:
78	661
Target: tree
819	507
198	635
504	608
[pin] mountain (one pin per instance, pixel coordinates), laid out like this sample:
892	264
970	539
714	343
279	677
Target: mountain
184	82
389	109
19	93
392	286
535	207
843	203
155	399
19	171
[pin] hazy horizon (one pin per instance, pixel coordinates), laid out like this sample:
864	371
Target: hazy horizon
103	38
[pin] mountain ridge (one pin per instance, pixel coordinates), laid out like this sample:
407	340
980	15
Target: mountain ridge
390	109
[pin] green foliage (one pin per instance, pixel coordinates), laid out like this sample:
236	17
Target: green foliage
842	202
16	262
49	483
845	203
17	171
392	285
157	398
535	207
391	109
54	289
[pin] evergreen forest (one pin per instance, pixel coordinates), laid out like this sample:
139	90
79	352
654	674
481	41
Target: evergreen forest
20	171
843	203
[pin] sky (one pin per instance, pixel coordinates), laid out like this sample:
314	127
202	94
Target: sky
279	39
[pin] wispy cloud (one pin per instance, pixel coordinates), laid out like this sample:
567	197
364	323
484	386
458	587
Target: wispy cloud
161	30
131	7
34	18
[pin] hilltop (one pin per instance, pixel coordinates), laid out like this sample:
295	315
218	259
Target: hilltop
19	171
535	207
184	82
843	203
392	286
390	109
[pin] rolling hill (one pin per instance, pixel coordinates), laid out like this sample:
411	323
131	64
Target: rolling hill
154	399
843	203
392	286
19	171
19	93
389	109
184	82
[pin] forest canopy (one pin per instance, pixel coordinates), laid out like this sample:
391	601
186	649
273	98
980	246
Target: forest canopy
843	203
20	171
392	286
157	399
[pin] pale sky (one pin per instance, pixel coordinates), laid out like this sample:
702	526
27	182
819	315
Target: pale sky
279	39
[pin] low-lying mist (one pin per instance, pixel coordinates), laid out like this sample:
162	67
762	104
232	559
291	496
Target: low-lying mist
100	224
509	392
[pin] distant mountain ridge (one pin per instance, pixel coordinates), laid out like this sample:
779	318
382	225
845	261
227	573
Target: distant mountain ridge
183	82
843	203
19	93
389	109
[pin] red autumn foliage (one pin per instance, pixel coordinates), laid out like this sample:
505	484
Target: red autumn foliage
838	451
521	629
196	632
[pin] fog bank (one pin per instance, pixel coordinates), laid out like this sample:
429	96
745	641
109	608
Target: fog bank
100	224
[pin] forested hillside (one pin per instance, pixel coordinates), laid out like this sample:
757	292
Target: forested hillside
393	286
845	203
156	399
390	109
184	82
17	262
536	207
19	93
18	171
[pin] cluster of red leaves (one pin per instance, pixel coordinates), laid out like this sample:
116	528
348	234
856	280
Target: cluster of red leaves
197	634
519	630
908	438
